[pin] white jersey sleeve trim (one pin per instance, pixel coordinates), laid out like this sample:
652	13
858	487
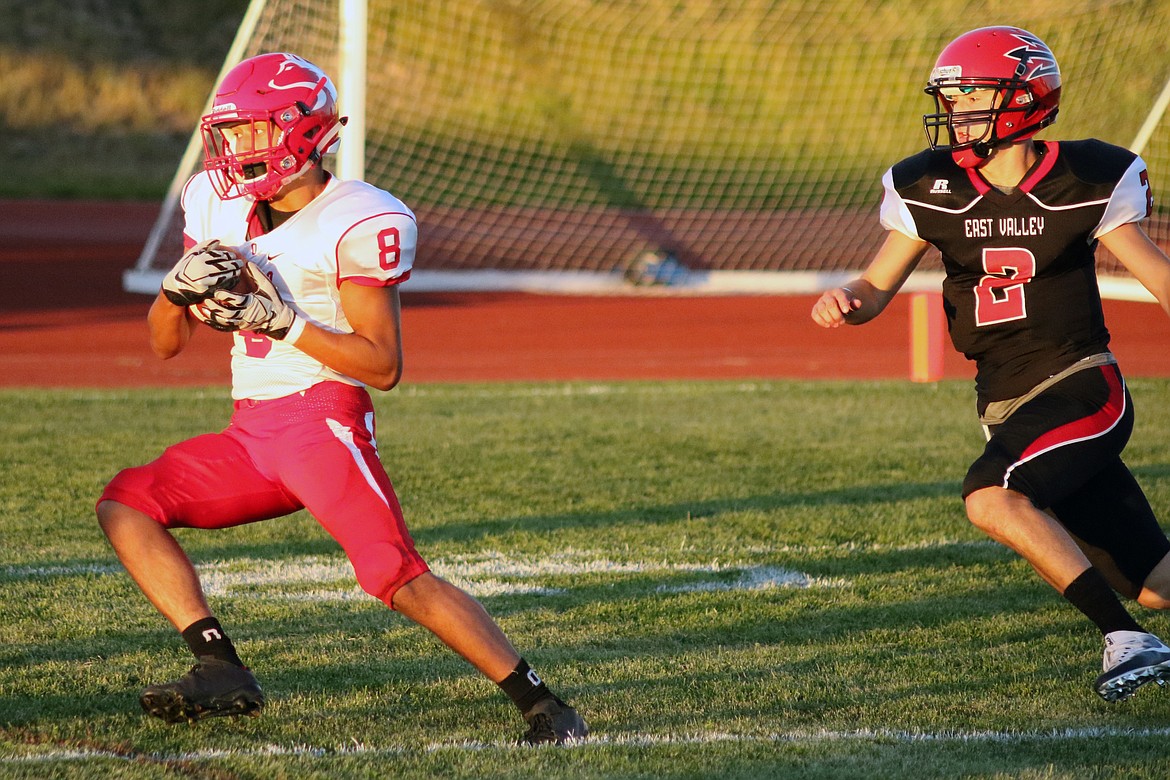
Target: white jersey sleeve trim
1131	200
894	214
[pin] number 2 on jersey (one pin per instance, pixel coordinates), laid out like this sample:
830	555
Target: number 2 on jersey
999	296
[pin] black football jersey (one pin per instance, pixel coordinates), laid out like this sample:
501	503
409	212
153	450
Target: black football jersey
1020	293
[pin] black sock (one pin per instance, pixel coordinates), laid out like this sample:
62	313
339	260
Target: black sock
206	638
1091	594
524	687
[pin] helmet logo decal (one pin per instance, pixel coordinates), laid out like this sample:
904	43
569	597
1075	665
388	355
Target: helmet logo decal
288	64
291	62
946	73
1034	58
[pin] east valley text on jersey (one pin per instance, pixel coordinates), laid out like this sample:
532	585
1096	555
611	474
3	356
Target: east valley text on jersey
1020	293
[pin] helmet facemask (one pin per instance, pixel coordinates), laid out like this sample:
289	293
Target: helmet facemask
241	152
1010	116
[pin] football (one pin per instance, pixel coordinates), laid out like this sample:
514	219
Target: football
243	284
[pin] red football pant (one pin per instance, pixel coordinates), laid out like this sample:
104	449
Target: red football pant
313	450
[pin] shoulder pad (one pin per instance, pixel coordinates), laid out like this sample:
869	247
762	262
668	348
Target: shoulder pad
1096	162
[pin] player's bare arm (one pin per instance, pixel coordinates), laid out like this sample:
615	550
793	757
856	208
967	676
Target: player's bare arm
864	298
170	327
1142	258
373	352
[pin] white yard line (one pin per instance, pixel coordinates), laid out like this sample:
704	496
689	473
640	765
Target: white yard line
320	578
488	574
601	741
569	561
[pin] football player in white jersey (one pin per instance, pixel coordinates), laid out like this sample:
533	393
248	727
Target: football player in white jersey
1017	222
303	269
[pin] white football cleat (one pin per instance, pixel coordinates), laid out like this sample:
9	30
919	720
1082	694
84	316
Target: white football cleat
1132	659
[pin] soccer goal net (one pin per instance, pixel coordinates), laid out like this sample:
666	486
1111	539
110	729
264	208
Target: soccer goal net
711	144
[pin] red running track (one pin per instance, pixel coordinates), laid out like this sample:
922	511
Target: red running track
65	322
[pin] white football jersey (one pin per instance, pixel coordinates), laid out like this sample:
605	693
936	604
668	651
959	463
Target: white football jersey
352	231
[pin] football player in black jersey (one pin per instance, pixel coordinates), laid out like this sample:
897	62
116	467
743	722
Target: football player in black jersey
1017	221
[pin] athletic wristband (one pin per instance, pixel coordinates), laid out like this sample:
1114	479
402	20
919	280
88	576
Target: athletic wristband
294	331
852	297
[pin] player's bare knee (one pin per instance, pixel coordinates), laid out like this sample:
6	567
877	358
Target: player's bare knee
984	507
1155	593
415	597
1153	600
1155	588
994	510
108	512
379	569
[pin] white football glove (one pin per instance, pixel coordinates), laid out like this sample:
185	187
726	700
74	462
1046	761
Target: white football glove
260	311
203	269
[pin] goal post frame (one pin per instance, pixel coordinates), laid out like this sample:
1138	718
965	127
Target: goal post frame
352	41
346	34
140	278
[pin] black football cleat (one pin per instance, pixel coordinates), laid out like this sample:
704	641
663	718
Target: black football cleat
212	688
551	721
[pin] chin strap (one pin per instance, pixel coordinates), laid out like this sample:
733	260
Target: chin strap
982	149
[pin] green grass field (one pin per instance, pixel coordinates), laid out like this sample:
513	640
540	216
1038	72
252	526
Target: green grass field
730	579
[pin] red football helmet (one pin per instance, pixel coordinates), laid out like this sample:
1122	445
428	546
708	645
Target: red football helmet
273	117
1018	66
